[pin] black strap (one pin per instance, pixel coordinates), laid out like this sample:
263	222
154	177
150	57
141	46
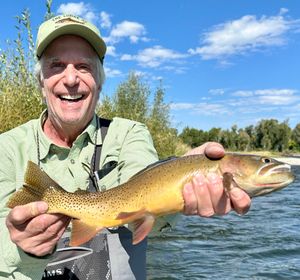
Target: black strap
104	124
95	162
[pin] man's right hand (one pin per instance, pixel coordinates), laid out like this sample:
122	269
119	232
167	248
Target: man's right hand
34	231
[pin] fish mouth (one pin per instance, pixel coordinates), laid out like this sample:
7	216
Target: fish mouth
272	186
268	170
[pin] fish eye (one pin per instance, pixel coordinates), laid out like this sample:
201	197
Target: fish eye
266	160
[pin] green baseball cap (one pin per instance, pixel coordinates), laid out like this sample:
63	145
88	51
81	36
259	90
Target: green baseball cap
69	24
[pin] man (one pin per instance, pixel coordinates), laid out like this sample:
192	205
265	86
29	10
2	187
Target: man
62	142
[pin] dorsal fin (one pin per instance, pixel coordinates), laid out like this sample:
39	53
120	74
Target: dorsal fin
152	166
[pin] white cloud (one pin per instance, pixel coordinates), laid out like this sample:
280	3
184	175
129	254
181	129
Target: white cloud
217	91
154	57
267	96
245	102
110	73
203	108
274	92
243	35
243	93
111	50
105	20
79	9
127	29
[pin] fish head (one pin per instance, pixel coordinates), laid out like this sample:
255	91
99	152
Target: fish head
259	175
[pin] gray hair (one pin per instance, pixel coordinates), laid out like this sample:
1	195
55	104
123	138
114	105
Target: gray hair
99	66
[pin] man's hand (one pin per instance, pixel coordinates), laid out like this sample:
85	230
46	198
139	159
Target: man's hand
34	231
206	196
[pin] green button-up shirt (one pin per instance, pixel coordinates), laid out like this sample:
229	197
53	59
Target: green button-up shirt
126	141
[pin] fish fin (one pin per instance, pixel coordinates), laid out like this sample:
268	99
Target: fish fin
150	167
36	182
82	232
142	227
227	180
127	217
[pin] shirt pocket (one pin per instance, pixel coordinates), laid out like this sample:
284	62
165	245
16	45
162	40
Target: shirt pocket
112	179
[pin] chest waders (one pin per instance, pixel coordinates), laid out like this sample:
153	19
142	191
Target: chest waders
110	255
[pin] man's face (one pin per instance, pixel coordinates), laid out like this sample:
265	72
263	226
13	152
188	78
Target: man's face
70	81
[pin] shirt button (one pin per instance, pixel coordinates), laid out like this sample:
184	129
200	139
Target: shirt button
72	161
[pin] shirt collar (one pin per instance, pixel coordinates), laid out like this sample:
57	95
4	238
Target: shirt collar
44	143
93	131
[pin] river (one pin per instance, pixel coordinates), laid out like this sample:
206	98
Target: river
264	244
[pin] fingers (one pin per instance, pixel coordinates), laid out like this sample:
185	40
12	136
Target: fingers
21	214
206	196
241	202
45	242
197	198
220	201
33	231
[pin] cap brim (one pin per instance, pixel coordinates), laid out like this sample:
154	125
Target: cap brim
74	29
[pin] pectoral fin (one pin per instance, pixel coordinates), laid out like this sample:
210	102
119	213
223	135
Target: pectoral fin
128	217
82	233
227	180
142	227
141	223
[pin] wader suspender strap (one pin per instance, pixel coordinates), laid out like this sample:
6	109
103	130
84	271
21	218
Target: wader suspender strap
103	268
95	162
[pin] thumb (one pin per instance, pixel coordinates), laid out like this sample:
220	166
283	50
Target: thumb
20	214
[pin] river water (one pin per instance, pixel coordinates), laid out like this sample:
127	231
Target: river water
263	244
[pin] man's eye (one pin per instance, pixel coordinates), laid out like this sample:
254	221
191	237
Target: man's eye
83	67
57	65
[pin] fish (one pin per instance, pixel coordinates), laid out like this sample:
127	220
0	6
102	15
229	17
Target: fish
155	191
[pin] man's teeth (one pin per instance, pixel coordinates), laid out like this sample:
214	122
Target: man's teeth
71	97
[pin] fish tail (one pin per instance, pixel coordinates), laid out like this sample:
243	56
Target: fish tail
36	182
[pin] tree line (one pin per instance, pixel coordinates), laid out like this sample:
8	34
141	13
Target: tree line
267	135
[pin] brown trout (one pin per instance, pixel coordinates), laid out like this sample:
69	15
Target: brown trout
153	192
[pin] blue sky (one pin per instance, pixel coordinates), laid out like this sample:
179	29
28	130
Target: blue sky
222	62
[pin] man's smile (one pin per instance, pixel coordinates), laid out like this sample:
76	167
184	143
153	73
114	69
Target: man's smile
72	98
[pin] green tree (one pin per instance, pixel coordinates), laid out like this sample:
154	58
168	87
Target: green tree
243	141
272	135
250	130
158	122
20	98
193	137
131	101
296	136
214	134
229	138
283	138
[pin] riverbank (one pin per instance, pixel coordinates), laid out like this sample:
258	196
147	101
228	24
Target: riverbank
289	160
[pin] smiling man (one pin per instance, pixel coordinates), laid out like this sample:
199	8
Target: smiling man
70	84
67	142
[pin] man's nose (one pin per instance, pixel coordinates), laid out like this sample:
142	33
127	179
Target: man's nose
71	76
